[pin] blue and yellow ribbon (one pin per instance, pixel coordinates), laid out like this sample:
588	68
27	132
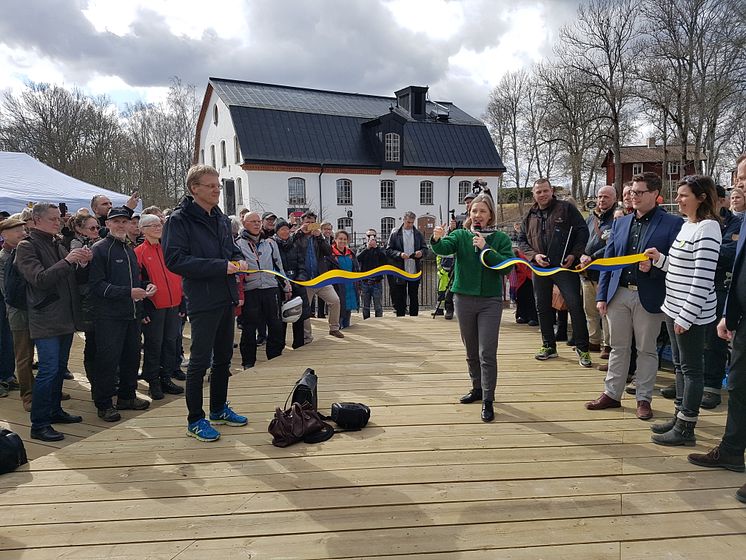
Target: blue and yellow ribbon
342	276
605	263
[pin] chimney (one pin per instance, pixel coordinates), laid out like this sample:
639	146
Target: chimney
651	142
412	100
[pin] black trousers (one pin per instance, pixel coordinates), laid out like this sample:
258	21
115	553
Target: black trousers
212	344
525	307
161	347
117	349
734	439
261	306
89	352
399	291
569	284
716	349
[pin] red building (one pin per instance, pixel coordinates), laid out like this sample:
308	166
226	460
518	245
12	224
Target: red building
639	159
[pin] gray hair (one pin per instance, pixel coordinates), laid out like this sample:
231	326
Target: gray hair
409	214
40	209
236	225
149	220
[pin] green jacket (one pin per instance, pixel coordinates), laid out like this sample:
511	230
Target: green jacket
471	278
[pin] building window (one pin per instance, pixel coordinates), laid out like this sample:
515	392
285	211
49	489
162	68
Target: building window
296	191
391	145
387	226
202	155
239	192
223	159
345	224
387	194
344	192
464	188
215	114
212	155
236	150
673	167
636	169
426	192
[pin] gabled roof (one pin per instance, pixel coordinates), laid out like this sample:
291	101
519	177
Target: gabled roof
282	124
644	154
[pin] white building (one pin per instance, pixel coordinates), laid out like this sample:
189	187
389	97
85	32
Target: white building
359	161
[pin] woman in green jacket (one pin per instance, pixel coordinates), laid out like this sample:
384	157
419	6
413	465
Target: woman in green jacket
477	294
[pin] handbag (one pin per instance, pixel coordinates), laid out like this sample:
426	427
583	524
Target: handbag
558	302
304	390
12	451
298	423
350	416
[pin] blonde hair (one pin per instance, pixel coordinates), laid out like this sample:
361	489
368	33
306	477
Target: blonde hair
737	190
485	199
196	172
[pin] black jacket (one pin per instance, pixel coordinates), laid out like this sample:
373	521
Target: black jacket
556	231
293	258
368	259
395	247
321	246
198	246
596	245
113	274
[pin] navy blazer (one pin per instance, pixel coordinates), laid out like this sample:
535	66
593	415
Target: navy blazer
661	234
733	312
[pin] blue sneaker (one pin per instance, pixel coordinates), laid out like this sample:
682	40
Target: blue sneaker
227	416
202	430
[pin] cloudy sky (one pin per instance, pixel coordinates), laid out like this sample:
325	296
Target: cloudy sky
130	49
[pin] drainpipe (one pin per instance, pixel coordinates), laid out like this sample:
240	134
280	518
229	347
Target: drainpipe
321	205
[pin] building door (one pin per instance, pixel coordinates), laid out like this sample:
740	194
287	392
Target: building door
229	197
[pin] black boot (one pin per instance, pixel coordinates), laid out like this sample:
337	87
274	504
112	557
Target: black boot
171	388
472	396
681	434
155	391
488	413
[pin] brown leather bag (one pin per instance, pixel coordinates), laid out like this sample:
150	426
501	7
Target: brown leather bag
298	423
558	302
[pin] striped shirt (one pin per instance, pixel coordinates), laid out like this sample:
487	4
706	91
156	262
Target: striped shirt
690	274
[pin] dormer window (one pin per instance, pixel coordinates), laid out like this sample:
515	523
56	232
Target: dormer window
392	149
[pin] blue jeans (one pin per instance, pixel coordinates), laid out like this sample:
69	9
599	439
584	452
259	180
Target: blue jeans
53	355
7	355
372	291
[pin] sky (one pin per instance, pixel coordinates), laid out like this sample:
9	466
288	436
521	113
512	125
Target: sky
131	49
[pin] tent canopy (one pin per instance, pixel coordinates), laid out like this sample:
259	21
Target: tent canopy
24	179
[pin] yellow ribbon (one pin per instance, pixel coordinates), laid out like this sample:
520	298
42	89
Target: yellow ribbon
339	276
604	263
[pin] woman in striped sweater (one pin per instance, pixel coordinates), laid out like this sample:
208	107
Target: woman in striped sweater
690	300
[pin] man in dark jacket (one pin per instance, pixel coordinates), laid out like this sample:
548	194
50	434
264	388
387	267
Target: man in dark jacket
54	314
716	349
293	261
406	249
116	290
198	245
599	224
370	256
554	234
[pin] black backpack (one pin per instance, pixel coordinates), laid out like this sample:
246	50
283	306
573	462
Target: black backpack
12	451
15	284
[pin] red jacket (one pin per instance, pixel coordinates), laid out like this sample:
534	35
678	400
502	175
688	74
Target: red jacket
150	259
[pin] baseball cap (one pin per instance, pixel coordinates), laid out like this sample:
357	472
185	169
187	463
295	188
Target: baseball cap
281	223
119	212
469	196
268	215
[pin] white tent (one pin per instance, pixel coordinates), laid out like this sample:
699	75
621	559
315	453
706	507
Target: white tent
25	180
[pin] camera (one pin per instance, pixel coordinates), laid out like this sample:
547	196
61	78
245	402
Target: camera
478	186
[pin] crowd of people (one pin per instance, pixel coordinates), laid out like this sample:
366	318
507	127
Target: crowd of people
130	282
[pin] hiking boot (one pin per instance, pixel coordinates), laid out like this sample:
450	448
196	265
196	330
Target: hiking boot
488	413
109	415
472	396
337	334
546	352
202	431
715	459
669	392
228	416
132	404
681	434
155	391
605	353
584	358
171	388
710	400
603	402
644	412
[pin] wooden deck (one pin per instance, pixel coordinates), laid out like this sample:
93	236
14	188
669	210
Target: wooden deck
426	479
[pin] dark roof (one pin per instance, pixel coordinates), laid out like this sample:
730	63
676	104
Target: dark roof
282	124
643	154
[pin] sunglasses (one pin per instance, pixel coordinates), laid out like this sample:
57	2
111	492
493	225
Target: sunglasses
692	180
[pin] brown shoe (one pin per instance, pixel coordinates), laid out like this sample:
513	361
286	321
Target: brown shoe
715	459
65	396
643	410
605	353
594	347
603	367
338	334
602	402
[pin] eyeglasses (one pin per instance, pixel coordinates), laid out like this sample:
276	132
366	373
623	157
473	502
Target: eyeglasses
637	194
214	186
92	228
152	225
